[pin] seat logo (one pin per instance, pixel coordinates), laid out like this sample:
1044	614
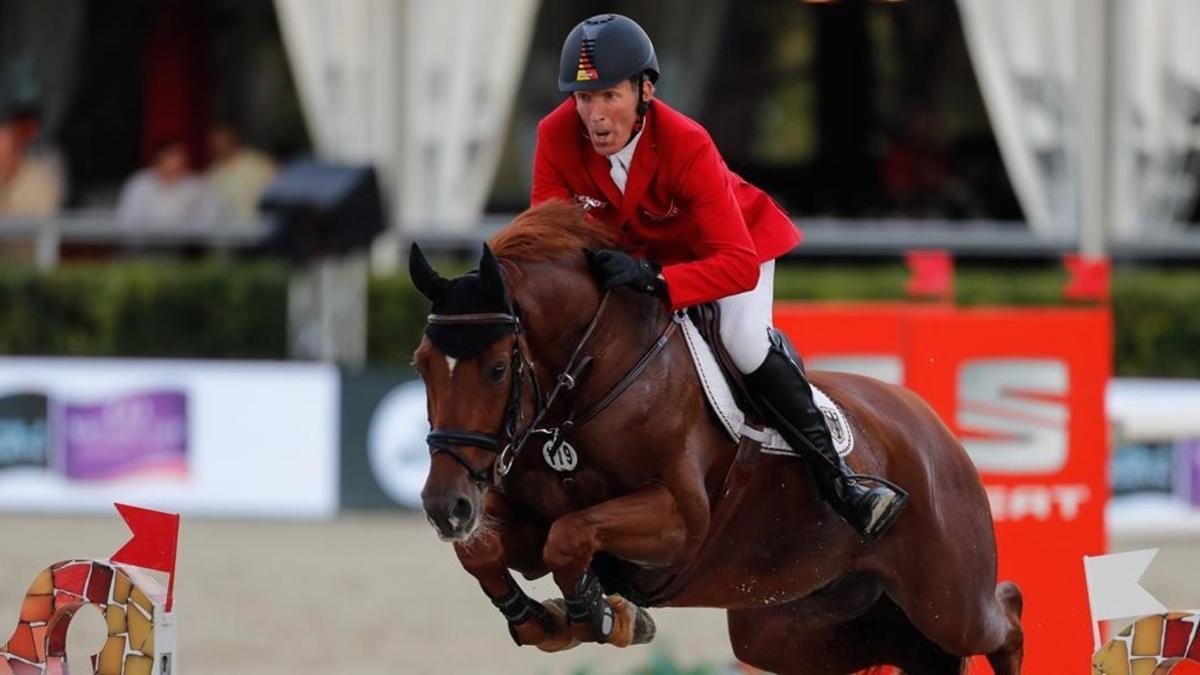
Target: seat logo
1013	414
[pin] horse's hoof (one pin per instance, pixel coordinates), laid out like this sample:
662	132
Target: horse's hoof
643	627
560	639
632	624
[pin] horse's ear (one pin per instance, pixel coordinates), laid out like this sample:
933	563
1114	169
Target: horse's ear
491	279
424	277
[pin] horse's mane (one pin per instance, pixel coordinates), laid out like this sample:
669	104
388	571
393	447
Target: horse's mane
554	230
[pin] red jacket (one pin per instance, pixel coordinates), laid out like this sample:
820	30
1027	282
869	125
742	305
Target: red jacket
682	206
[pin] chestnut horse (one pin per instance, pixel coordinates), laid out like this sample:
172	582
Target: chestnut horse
571	437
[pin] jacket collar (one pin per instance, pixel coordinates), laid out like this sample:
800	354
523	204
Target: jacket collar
645	163
599	167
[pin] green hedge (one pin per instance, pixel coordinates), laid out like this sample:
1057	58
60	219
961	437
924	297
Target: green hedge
228	310
1157	317
146	309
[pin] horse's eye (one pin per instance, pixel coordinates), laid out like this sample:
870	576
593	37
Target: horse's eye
496	374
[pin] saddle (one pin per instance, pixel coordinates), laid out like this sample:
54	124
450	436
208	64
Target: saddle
730	398
707	319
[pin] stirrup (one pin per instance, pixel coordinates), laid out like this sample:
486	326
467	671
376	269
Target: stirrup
883	516
884	511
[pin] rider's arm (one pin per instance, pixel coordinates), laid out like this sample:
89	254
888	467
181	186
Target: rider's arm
548	180
727	262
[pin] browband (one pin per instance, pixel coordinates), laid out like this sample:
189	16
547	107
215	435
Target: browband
473	319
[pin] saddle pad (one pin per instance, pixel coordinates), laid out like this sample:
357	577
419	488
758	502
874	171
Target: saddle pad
720	397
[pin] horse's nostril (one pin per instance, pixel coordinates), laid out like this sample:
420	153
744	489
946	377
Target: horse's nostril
461	512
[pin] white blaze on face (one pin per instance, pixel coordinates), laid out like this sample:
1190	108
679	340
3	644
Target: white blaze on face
451	361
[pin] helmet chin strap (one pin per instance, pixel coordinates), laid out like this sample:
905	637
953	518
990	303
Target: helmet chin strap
642	106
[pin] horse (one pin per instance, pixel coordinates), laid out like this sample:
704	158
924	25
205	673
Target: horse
570	437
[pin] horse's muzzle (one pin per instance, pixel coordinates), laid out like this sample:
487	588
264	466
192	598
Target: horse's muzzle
453	516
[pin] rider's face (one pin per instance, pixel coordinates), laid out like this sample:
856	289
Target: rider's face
609	114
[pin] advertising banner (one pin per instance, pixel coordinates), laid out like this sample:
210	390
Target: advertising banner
1024	390
194	437
384	455
23	418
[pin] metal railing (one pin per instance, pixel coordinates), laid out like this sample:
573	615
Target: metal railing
823	238
891	238
101	228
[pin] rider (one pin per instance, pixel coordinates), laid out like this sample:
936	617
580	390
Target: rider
655	174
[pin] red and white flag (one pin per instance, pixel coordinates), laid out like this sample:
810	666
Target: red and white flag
154	544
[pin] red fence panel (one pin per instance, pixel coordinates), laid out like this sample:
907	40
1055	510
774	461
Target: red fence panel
1024	390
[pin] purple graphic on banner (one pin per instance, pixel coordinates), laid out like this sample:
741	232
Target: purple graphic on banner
141	433
1188	452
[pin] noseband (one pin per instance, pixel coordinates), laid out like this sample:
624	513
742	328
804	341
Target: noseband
446	440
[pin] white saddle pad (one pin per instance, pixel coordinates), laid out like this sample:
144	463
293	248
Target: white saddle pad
720	397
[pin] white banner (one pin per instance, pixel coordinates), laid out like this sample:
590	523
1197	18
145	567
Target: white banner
221	438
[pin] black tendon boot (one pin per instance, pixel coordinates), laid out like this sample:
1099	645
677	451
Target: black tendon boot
786	398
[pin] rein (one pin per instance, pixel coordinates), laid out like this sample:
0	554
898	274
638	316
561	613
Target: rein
574	371
445	440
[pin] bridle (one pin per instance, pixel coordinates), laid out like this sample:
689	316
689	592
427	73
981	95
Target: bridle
446	440
520	366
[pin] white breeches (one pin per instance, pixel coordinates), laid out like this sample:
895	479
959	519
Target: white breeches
745	318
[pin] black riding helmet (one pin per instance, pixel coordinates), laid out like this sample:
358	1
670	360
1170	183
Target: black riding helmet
604	50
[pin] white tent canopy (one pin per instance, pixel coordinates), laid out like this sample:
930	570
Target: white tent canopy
1094	106
423	90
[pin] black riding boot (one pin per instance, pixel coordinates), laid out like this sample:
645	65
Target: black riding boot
786	398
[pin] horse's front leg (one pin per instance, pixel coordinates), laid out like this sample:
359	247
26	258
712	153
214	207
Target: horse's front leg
649	527
502	543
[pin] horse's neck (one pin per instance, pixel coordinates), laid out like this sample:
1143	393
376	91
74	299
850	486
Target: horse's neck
562	303
628	327
634	320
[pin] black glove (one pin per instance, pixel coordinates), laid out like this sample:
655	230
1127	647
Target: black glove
618	268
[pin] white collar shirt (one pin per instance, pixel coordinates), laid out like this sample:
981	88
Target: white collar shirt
621	161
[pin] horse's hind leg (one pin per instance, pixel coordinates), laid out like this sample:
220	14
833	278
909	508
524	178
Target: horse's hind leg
983	623
905	646
801	638
1007	659
814	634
776	640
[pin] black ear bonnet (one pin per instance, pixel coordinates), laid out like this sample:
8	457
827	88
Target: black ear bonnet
465	295
479	291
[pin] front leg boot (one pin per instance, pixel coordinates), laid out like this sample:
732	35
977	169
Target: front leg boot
588	606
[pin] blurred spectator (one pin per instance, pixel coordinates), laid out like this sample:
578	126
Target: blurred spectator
238	174
917	166
31	177
167	193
